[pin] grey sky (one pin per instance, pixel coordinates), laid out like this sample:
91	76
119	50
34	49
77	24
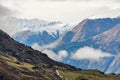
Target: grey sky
4	11
4	23
64	10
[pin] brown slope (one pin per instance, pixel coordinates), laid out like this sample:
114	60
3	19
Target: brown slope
12	69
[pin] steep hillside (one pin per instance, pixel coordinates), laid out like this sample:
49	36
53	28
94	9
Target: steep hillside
13	69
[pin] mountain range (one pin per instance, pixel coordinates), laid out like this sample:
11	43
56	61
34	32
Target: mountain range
21	62
34	30
99	35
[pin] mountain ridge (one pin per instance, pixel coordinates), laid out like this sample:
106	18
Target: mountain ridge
38	28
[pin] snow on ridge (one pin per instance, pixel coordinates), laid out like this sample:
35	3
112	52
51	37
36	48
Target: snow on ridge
37	25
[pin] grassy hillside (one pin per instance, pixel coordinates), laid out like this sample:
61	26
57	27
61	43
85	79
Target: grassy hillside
12	69
87	75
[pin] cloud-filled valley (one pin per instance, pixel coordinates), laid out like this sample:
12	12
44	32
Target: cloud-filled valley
55	56
84	53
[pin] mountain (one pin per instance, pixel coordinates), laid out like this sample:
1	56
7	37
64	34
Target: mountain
114	66
100	34
20	62
87	29
109	40
92	27
38	31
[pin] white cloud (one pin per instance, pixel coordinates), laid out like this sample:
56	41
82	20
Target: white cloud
51	54
62	54
58	57
89	53
37	47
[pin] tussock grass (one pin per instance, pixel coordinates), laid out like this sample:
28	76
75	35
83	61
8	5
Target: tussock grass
13	62
87	75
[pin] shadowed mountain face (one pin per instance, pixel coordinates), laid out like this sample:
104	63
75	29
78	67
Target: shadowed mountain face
30	37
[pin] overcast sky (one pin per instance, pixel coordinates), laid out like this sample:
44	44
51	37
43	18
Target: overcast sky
63	10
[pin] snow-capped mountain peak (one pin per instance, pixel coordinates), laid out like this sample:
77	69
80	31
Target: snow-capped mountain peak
37	25
39	31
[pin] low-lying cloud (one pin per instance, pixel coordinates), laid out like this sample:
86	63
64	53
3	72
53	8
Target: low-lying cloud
58	57
89	53
51	54
85	53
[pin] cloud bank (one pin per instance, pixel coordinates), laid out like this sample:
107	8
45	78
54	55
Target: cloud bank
64	10
85	53
58	57
55	56
89	53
